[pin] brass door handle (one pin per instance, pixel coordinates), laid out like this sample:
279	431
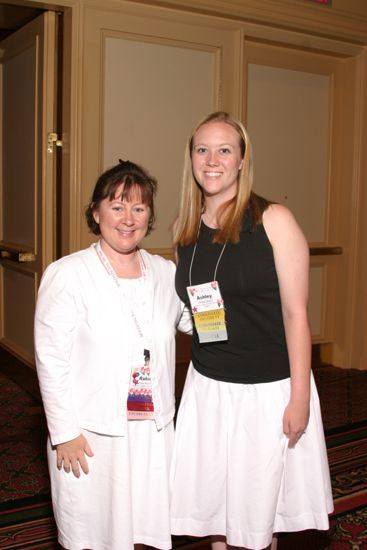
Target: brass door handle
18	256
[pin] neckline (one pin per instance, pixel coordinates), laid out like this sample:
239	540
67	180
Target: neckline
207	227
110	270
246	223
138	279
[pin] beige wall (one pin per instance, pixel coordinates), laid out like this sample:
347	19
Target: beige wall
301	28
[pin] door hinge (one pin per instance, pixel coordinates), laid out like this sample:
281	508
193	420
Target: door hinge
52	140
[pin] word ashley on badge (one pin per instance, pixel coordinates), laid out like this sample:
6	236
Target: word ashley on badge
208	310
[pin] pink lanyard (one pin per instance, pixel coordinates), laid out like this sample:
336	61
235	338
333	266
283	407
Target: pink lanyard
106	264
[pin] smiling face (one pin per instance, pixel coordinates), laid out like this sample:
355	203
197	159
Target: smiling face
216	160
123	223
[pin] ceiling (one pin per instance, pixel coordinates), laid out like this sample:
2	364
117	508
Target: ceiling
13	17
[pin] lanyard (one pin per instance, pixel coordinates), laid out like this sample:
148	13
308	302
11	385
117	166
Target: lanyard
106	264
193	256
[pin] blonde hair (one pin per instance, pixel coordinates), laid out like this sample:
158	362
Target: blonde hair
192	204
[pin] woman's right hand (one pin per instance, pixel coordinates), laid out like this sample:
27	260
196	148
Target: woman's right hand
71	455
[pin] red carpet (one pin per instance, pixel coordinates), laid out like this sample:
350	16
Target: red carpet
27	523
26	520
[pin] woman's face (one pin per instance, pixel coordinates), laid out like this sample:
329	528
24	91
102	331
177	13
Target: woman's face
122	223
216	160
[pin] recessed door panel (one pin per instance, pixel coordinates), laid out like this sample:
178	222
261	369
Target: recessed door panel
297	106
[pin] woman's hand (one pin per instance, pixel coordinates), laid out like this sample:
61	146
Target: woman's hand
295	420
71	455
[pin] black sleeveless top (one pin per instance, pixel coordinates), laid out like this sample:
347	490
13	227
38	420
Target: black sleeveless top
256	350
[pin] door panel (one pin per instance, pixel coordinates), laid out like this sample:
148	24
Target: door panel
298	106
27	177
147	79
284	138
19	161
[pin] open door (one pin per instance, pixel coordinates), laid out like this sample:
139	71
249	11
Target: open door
27	213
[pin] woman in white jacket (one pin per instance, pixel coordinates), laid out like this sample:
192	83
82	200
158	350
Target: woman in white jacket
105	329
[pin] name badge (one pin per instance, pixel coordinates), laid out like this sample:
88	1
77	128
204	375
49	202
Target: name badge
207	307
140	404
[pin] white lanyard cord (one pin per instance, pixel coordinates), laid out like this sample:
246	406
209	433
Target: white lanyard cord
193	255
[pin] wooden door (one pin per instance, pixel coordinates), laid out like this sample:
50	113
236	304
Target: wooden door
27	177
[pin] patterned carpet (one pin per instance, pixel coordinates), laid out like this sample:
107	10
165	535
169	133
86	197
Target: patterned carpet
26	520
23	471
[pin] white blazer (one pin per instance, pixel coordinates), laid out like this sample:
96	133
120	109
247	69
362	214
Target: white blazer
83	344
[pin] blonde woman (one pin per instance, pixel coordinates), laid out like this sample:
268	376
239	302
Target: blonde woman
250	458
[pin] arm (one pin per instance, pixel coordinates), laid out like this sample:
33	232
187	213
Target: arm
185	320
55	325
291	255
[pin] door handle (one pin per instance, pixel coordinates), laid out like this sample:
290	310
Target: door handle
14	255
52	140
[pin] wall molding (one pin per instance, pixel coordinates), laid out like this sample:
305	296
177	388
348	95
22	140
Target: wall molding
287	14
297	15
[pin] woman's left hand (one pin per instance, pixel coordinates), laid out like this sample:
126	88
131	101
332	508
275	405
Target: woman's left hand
295	420
71	455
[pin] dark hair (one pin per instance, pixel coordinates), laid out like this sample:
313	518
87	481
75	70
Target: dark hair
132	176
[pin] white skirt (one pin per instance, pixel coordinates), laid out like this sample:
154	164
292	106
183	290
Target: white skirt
232	471
124	500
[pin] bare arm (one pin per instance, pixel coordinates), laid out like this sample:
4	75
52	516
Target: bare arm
291	256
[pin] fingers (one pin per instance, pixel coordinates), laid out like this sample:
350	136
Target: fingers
82	460
84	464
71	456
88	451
295	422
294	438
59	461
69	464
74	464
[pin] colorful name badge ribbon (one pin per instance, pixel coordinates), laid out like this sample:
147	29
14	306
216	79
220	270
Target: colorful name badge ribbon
207	307
140	399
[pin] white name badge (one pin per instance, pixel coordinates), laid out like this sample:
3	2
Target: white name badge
207	307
